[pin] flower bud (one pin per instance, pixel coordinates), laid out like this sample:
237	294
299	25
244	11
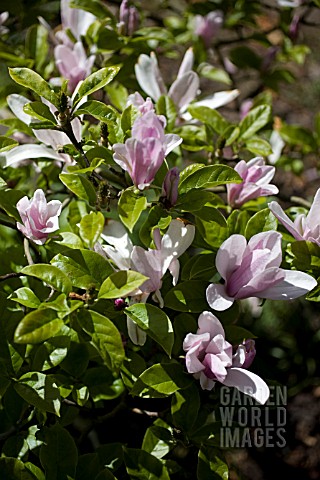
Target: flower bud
129	18
120	304
170	187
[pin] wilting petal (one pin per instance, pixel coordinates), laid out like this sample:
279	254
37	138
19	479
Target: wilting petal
285	220
230	255
294	285
149	76
247	382
184	89
209	323
217	297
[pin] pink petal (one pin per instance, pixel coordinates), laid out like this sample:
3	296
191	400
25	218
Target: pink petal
285	220
209	323
217	297
149	76
187	62
230	255
295	284
184	89
247	382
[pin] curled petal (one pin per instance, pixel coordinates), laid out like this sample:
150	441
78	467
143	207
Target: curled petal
285	220
230	255
209	323
294	285
248	383
217	297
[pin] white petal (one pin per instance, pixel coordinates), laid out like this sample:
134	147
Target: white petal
16	103
26	152
285	220
249	383
218	99
184	90
149	77
209	323
294	285
230	255
171	141
217	297
187	62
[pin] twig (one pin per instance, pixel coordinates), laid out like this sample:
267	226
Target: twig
5	277
26	247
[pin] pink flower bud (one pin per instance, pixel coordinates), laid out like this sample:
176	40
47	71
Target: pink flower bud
207	27
170	187
39	217
129	18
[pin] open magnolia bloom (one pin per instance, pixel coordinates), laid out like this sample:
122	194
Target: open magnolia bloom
51	138
253	270
153	263
210	359
256	178
39	217
74	19
144	152
183	90
304	227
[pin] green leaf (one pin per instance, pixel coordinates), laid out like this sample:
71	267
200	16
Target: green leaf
306	256
257	118
157	217
26	297
91	227
95	81
51	353
165	106
210	117
235	334
80	186
216	74
58	454
84	268
196	199
50	275
199	267
185	406
158	439
8	201
37	45
154	322
142	465
93	6
7	143
262	221
130	207
188	297
37	326
209	176
98	110
258	146
296	135
33	81
211	466
105	337
14	469
40	111
39	390
161	380
120	284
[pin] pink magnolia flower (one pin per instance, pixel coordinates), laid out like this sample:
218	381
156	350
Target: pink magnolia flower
208	26
143	154
256	178
39	217
142	105
153	263
209	358
129	18
183	90
253	270
74	19
304	227
73	63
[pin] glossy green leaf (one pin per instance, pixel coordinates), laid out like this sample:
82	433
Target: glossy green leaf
209	176
7	143
154	322
105	337
98	110
51	353
59	454
185	406
188	297
40	111
130	207
37	326
14	469
91	227
33	81
80	186
25	296
94	6
158	439
50	275
102	384
165	106
210	117
120	284
306	256
258	146
39	390
262	221
211	465
95	81
256	119
142	465
84	268
161	380
235	334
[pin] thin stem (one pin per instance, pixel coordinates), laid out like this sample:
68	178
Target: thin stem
9	275
26	247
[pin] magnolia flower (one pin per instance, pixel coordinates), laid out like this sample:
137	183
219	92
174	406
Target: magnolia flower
253	270
304	227
143	154
39	217
73	19
256	177
73	63
153	263
277	145
129	18
183	90
208	26
142	105
209	358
